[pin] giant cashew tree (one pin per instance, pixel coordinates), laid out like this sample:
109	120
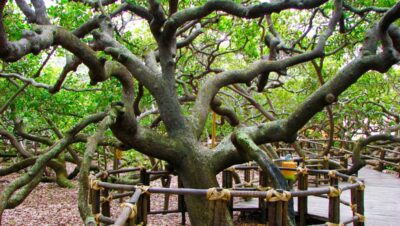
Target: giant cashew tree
188	57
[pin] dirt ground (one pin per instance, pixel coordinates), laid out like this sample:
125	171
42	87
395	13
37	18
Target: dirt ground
51	205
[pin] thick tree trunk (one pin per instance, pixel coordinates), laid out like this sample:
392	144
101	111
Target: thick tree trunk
197	173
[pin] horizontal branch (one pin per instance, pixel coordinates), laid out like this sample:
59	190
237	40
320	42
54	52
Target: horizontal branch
230	7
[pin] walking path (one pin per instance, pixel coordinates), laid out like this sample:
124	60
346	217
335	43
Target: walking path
381	200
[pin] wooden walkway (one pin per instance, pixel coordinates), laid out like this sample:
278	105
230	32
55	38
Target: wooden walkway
381	200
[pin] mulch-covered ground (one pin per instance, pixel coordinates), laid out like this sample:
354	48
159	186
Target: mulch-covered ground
49	204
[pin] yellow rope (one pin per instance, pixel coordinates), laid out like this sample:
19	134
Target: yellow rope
94	184
353	207
332	173
132	207
361	218
213	194
247	184
144	188
230	169
352	179
361	186
261	188
333	224
106	199
274	196
301	170
97	218
334	192
326	158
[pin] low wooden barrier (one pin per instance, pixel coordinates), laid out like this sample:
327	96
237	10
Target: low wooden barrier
273	204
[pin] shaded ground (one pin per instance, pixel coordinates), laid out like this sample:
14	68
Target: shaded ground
51	205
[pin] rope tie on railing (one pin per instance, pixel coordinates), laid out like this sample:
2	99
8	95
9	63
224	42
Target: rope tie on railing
353	207
361	186
361	218
132	207
261	188
333	224
332	173
104	175
213	194
144	188
97	218
94	183
352	179
275	196
301	170
247	184
334	192
231	169
326	158
106	199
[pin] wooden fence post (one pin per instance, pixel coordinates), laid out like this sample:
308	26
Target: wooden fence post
334	199
278	207
181	203
360	204
105	200
227	183
302	203
217	202
144	200
262	205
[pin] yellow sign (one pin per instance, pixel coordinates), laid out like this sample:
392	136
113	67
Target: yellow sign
118	154
289	174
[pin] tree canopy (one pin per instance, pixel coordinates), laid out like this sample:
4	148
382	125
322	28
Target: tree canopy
145	76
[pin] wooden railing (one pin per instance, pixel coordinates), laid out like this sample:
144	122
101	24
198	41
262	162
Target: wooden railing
273	204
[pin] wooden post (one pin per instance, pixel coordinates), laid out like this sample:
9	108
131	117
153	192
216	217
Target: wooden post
277	207
302	203
247	178
181	203
381	157
217	203
353	203
272	213
105	204
95	201
334	199
166	182
144	200
262	205
360	204
227	183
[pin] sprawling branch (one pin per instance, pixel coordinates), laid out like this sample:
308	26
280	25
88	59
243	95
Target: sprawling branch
357	161
15	143
37	168
91	147
230	7
214	84
285	130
